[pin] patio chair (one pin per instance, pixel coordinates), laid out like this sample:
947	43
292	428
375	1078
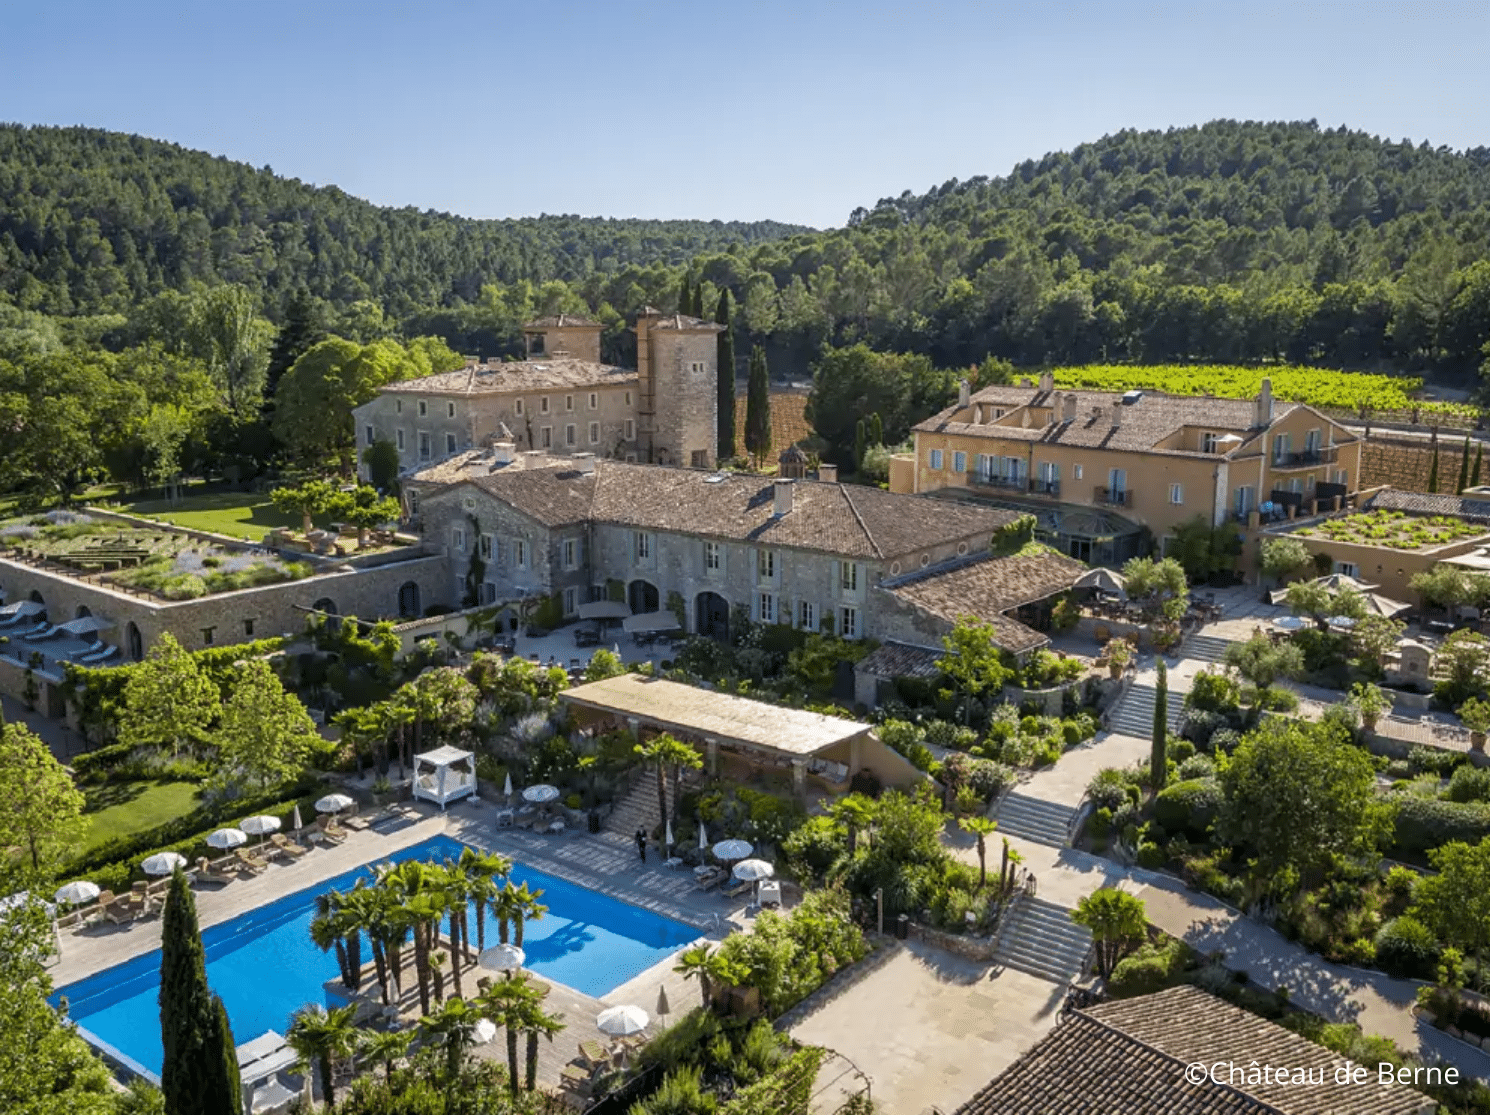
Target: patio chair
45	631
594	1055
330	830
122	911
287	846
208	873
577	1080
250	862
711	880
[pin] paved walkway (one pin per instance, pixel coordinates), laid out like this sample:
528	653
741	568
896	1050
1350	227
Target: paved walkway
1378	1003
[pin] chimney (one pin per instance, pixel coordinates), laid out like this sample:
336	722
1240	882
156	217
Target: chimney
503	452
1265	403
1047	382
828	474
783	492
1117	413
585	462
964	393
1069	413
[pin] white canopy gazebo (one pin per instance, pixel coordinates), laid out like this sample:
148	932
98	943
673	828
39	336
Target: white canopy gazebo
444	775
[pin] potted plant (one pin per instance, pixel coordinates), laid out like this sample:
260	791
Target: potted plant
1371	702
382	790
1119	654
1475	715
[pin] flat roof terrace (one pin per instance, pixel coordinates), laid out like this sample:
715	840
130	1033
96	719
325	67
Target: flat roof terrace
704	713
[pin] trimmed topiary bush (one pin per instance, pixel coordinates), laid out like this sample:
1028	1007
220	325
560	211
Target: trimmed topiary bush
1470	783
1188	807
1406	947
1424	823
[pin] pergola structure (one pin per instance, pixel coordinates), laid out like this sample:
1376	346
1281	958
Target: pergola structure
829	747
444	775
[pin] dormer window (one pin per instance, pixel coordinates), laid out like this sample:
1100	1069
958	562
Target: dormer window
1208	442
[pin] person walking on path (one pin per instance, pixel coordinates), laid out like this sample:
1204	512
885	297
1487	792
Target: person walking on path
641	844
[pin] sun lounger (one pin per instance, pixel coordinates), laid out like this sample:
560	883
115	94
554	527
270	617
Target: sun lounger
207	872
356	822
286	846
250	862
736	888
45	631
711	880
595	1055
575	1079
333	831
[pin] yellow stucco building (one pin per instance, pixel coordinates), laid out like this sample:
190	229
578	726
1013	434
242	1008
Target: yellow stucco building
1098	468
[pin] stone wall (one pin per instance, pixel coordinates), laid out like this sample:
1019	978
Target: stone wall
684	369
973	948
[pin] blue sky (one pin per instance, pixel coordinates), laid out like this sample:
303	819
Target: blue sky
756	109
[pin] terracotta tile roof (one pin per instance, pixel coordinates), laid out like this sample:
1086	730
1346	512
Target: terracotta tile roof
704	712
682	323
901	660
841	519
1418	503
1130	1056
989	586
1144	423
518	376
562	321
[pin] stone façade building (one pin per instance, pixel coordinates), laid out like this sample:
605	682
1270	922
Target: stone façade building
809	554
562	399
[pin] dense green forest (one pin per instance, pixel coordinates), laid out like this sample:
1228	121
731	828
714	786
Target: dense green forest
200	281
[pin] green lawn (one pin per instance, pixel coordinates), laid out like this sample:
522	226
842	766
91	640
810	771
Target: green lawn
247	515
124	808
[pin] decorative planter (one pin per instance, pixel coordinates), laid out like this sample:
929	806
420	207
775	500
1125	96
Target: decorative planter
1477	741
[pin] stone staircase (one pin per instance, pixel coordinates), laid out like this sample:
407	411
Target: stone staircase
1206	648
1039	938
1134	714
1041	822
637	808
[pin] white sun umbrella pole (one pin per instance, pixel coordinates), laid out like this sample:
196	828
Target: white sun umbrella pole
703	837
296	820
507	788
163	863
667	838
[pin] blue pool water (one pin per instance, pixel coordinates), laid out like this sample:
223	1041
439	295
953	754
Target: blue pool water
265	967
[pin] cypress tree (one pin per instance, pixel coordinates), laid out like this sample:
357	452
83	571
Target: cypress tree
1474	475
696	304
1464	467
876	429
1433	471
859	436
726	360
198	1075
758	407
685	296
1158	755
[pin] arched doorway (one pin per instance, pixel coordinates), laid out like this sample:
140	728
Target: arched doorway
408	600
82	611
327	605
711	616
134	646
641	596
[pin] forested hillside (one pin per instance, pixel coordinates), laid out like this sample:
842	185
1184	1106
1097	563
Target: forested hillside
93	222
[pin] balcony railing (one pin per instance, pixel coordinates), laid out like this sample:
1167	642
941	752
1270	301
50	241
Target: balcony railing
1113	497
1307	458
1045	487
1003	483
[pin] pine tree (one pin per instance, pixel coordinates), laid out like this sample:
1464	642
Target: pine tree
1464	467
758	407
726	356
303	327
1433	471
1474	475
1158	755
685	296
192	1032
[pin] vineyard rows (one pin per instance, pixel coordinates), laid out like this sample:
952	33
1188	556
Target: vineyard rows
1317	387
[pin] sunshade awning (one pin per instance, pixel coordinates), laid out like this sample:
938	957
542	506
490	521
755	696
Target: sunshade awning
21	608
86	625
651	621
604	609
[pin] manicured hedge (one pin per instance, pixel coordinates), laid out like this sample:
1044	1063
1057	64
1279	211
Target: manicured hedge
1424	823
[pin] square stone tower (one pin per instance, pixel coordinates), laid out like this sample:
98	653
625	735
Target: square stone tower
677	364
561	337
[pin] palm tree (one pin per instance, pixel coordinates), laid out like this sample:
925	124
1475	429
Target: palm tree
526	908
507	1003
693	963
387	1046
482	869
387	929
982	828
457	894
455	1025
854	812
319	1036
334	927
666	751
506	908
1118	922
425	909
395	717
538	1023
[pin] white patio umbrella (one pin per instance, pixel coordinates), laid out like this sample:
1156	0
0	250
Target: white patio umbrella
507	787
334	803
502	958
733	849
163	863
1104	580
703	837
486	1030
77	892
541	793
752	870
668	835
622	1021
227	838
259	826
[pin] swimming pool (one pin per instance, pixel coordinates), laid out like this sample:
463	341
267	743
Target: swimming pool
265	967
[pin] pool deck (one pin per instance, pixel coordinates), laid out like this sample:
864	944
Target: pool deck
605	862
